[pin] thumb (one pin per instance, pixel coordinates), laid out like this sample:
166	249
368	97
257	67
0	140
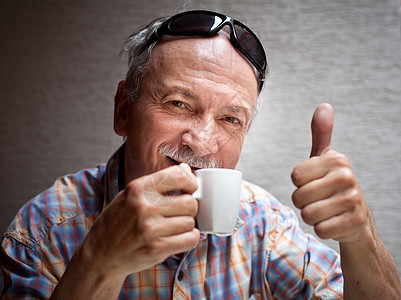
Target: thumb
322	128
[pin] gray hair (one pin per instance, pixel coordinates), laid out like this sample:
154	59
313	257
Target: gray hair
138	56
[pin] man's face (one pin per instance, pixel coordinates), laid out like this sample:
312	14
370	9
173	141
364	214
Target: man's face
195	106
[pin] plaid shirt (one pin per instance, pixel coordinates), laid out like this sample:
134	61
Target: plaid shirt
268	256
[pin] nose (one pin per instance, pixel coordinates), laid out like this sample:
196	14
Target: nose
202	138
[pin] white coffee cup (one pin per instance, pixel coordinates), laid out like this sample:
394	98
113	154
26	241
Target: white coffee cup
218	195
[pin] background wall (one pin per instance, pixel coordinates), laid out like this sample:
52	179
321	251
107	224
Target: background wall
59	70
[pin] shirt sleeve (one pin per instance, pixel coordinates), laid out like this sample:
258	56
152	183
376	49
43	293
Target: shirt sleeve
25	275
299	265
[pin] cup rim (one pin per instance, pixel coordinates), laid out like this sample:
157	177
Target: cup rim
218	170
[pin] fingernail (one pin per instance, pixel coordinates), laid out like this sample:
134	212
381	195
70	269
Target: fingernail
185	167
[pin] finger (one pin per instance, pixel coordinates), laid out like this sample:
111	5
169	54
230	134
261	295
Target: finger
182	205
172	179
322	188
151	229
322	210
161	247
322	128
342	228
319	166
176	225
181	242
311	192
307	171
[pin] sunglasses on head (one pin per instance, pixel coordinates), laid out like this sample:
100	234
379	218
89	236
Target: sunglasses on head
205	23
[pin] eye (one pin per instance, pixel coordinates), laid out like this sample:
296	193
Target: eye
178	104
232	120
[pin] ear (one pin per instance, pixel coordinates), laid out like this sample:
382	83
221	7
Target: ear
121	104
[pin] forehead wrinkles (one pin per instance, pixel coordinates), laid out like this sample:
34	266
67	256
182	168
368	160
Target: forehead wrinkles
214	57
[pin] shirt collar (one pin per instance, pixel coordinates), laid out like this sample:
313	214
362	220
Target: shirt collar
114	176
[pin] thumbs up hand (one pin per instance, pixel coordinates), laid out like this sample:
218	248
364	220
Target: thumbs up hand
327	191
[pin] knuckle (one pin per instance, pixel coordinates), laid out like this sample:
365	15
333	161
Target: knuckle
352	197
296	176
134	188
189	224
350	200
193	238
132	204
156	249
165	180
298	199
321	232
182	172
147	230
187	205
356	219
191	205
307	215
344	177
295	199
146	227
339	159
348	176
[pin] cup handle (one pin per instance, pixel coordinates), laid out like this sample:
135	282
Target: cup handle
198	193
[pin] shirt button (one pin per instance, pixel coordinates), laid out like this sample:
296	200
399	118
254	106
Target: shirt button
180	276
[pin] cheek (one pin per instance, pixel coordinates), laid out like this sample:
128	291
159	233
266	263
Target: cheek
157	130
230	153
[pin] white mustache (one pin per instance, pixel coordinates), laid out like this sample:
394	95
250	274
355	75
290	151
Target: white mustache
186	155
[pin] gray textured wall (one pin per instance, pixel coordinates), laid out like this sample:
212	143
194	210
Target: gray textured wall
59	69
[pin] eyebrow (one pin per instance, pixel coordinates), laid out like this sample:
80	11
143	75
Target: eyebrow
241	109
185	93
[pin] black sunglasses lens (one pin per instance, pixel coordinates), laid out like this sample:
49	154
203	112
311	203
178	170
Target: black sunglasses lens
250	45
194	23
205	24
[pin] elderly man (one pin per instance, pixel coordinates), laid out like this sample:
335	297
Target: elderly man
187	103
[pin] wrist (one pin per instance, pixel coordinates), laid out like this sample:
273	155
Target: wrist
87	277
366	236
89	261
